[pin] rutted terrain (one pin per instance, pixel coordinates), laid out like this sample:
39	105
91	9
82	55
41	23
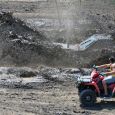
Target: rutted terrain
57	95
85	18
21	45
48	90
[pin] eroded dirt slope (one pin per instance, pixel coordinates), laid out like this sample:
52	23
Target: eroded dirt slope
20	44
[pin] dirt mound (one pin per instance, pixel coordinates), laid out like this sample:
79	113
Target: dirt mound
9	23
23	44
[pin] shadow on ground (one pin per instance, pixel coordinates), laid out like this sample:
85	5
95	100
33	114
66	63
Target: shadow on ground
109	105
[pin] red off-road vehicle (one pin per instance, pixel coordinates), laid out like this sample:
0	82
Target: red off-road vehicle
90	87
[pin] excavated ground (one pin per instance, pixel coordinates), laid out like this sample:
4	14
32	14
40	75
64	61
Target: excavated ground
47	91
38	91
22	45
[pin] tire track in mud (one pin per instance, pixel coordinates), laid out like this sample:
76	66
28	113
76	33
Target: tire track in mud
59	100
53	98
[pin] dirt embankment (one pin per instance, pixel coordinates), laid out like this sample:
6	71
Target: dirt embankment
22	45
85	18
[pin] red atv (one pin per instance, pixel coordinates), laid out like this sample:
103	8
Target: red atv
90	87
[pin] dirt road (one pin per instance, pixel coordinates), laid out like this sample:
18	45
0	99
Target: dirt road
50	99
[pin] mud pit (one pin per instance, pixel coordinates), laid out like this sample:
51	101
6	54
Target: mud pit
47	97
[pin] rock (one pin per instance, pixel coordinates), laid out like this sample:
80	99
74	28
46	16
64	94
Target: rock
72	70
25	77
20	77
28	74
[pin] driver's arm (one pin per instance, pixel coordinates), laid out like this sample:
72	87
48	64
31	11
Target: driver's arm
103	66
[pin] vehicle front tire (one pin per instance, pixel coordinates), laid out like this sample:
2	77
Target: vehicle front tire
88	97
